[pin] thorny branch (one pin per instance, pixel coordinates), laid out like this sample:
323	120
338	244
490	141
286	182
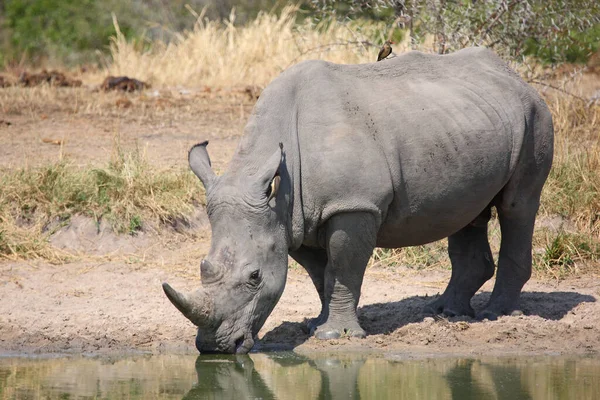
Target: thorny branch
559	89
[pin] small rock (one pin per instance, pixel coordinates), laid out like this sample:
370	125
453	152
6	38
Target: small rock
123	102
123	83
462	325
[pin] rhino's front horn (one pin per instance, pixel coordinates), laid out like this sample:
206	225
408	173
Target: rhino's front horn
196	306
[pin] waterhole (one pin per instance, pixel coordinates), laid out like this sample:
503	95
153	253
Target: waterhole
287	375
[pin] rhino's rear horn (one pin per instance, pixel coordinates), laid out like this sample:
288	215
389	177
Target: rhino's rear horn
200	164
208	272
194	306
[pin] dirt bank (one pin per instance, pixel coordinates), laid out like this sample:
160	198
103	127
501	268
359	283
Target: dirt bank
116	306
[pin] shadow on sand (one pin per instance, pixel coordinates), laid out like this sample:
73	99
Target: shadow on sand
382	318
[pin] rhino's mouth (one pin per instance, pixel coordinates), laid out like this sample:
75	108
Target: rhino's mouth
238	344
244	344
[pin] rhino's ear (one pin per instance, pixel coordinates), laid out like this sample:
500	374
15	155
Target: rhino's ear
268	175
200	164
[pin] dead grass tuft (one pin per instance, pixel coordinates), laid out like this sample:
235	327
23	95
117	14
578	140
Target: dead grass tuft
223	55
573	187
128	193
432	255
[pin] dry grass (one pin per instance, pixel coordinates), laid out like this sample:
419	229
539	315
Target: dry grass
572	191
573	187
222	55
215	57
129	193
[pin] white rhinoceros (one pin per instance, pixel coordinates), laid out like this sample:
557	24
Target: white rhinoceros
338	159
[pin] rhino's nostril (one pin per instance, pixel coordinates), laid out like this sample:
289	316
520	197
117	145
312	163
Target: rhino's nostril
238	343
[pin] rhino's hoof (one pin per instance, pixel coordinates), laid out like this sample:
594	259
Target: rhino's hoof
356	333
429	311
448	312
309	326
516	313
487	314
432	310
328	334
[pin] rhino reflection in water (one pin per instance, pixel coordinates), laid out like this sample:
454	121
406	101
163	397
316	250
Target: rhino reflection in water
338	159
324	377
231	378
237	377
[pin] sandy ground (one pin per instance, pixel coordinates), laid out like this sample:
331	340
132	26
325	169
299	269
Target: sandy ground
114	306
110	299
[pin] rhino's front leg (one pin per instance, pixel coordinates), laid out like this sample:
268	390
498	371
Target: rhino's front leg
349	241
314	261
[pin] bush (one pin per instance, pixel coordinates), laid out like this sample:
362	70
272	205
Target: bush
78	31
68	31
554	30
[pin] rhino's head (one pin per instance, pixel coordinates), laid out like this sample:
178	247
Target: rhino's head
244	272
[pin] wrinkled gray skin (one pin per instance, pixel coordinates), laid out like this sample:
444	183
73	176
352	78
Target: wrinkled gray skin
396	153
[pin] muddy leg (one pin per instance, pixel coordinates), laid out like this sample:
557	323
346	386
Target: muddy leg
472	266
314	261
350	240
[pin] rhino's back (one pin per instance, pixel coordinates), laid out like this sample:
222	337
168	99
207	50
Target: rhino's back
425	140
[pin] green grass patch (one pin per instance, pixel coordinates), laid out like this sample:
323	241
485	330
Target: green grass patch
565	252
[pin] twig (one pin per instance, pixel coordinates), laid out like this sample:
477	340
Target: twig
496	16
557	89
500	14
355	36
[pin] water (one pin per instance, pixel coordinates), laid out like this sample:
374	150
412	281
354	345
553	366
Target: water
291	376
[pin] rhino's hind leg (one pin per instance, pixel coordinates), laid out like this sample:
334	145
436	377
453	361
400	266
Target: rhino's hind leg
472	266
517	205
314	261
350	240
514	264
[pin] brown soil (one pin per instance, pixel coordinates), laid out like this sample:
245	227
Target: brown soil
110	298
97	306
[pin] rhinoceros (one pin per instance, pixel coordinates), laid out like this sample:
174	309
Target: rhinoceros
338	159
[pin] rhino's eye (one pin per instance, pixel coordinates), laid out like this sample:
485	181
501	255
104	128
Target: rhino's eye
273	188
255	277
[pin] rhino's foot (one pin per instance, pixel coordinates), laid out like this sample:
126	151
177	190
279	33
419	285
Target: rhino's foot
335	331
310	325
487	314
500	305
492	315
449	307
